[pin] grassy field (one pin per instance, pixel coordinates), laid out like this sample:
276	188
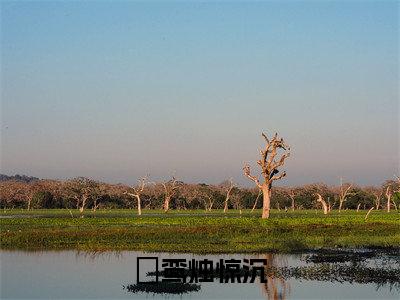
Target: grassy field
196	231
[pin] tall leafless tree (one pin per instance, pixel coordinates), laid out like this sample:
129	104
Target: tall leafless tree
138	191
170	188
377	194
323	202
344	191
388	194
255	202
228	190
269	169
292	195
81	189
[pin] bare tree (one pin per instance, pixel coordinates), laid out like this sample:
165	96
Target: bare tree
292	195
138	191
81	189
269	169
170	188
324	205
377	194
369	211
331	206
237	202
208	202
392	190
255	202
228	190
388	194
344	191
204	193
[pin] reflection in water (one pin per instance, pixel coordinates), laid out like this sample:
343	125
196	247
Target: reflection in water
363	267
163	288
275	287
331	273
93	255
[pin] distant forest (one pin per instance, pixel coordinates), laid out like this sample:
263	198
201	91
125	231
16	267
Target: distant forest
26	192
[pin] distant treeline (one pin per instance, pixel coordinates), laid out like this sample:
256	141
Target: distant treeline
83	193
22	178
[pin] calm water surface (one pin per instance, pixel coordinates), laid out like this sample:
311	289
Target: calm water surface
113	275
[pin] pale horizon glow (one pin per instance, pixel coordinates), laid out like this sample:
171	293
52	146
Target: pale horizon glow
117	90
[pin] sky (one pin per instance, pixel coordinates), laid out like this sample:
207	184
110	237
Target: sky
118	90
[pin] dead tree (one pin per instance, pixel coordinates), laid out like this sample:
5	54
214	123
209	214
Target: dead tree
269	169
255	202
208	202
237	202
324	205
82	190
377	195
138	191
228	194
292	195
205	193
388	194
396	193
170	188
343	193
331	206
369	211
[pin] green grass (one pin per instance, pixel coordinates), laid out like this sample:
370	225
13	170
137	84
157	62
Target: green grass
197	231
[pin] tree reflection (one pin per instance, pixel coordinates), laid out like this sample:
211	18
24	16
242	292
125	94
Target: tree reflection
336	266
275	286
93	255
177	288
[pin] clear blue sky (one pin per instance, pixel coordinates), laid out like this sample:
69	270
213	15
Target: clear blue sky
117	90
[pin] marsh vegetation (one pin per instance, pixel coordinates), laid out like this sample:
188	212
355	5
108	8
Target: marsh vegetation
197	231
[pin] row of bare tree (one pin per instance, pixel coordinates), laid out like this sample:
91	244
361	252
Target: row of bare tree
82	193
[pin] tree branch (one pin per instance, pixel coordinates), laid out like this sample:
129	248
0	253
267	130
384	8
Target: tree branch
246	172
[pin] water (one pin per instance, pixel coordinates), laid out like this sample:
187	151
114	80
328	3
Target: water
112	275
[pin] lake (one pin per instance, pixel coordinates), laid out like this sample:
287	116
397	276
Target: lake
113	275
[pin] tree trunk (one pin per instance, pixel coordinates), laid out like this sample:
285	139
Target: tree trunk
255	203
166	204
139	206
226	205
378	203
388	196
394	204
358	206
82	207
366	216
266	202
324	205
